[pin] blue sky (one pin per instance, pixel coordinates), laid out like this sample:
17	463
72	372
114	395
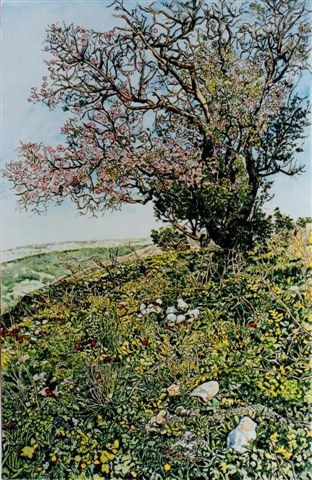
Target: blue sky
23	32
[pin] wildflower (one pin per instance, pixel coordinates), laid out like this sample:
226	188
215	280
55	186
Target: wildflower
13	331
27	452
167	467
53	458
105	468
274	437
78	346
134	474
93	343
145	342
39	376
284	452
48	392
106	456
252	324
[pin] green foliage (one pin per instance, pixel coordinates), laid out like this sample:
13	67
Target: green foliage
86	366
167	238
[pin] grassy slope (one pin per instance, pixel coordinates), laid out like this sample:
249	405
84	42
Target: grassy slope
107	370
30	273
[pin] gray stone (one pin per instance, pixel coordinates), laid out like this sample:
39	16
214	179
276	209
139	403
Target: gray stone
240	438
206	391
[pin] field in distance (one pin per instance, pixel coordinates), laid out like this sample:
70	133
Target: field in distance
27	269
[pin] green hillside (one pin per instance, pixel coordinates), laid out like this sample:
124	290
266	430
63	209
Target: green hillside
24	275
98	375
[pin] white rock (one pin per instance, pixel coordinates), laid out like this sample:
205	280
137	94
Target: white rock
182	305
171	310
23	359
181	411
171	317
193	313
173	390
240	438
181	318
206	391
159	419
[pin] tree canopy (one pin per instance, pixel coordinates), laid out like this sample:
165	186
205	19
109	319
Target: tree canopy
192	105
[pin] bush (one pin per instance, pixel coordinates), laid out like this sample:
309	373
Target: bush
167	238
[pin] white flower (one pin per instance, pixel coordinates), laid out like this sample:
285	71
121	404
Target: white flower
180	318
158	301
171	317
39	376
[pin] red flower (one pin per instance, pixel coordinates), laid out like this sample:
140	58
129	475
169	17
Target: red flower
167	327
93	343
78	346
252	324
13	331
49	392
145	342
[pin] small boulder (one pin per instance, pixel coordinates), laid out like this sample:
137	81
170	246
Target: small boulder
194	313
240	438
171	310
171	317
181	411
181	318
206	391
173	390
182	305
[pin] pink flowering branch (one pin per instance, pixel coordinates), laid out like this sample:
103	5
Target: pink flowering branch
187	96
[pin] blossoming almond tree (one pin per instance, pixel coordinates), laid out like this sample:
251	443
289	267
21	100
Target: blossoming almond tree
189	104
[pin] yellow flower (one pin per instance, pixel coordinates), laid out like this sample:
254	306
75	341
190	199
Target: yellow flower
105	468
113	446
53	458
106	456
167	467
83	466
134	474
274	437
28	452
284	452
96	462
